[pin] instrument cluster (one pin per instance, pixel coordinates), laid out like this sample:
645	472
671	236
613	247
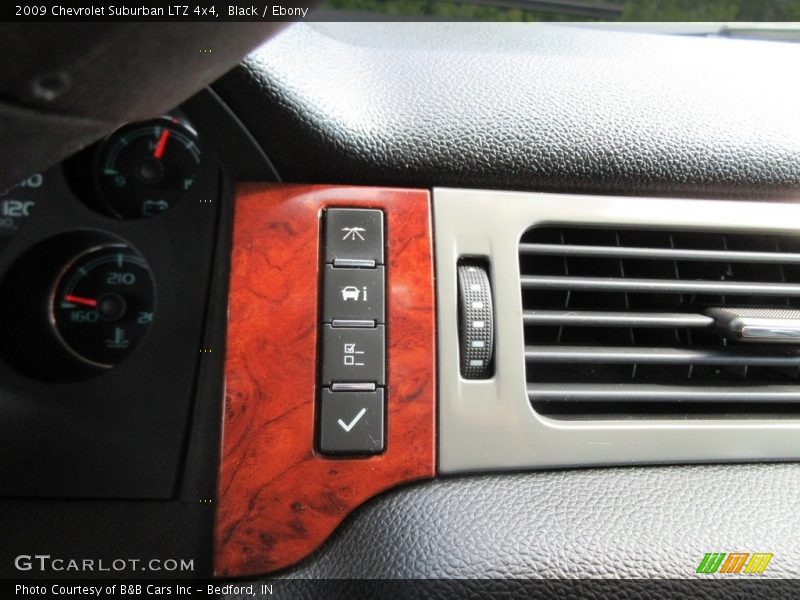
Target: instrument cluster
78	303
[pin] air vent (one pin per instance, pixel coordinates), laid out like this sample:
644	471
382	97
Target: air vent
627	322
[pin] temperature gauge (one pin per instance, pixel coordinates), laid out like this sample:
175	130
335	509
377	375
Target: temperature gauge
145	168
103	303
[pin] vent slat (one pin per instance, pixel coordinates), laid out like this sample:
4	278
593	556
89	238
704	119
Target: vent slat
614	319
666	286
660	253
663	356
661	393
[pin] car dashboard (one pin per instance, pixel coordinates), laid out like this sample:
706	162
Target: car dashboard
431	301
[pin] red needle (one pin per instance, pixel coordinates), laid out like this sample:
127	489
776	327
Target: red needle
80	300
162	143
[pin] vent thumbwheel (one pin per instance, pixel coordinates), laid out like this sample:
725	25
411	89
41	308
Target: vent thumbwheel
476	326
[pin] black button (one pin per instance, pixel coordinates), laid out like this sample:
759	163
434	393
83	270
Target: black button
353	355
355	294
351	422
353	234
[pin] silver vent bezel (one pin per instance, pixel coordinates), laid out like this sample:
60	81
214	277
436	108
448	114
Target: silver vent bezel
490	425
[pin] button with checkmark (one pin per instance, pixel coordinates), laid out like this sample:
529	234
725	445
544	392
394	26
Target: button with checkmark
351	422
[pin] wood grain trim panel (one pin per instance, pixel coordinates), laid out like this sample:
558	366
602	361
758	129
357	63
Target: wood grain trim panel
278	499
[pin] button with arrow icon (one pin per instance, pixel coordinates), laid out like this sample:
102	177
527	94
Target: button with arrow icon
354	234
351	422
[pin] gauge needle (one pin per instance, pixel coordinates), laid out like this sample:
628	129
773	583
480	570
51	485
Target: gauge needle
161	144
80	300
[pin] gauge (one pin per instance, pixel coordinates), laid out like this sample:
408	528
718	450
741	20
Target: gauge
145	168
103	303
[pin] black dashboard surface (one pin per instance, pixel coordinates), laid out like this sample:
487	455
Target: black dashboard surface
621	522
525	107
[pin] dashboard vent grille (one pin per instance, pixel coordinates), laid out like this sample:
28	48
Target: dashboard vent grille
617	322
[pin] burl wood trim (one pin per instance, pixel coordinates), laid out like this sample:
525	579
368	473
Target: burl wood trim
278	499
